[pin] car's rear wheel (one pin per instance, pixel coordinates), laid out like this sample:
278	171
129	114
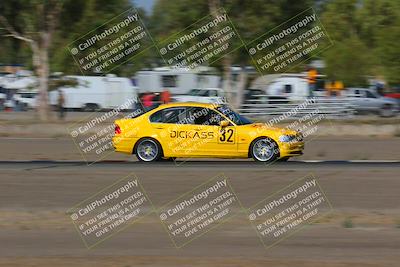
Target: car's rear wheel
148	150
264	149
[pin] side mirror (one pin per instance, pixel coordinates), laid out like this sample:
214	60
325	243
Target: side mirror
224	123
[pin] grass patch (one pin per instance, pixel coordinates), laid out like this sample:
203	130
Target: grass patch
348	223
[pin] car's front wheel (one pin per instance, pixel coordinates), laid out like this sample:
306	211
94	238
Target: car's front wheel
148	150
264	149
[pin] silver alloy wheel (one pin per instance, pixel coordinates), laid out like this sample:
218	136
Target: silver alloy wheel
147	150
263	149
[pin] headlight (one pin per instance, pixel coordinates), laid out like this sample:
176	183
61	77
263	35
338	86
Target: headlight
287	138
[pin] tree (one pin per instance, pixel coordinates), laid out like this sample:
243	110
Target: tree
39	28
250	18
42	23
365	37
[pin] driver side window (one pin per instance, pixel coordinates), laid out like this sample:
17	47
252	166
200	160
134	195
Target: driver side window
203	116
169	115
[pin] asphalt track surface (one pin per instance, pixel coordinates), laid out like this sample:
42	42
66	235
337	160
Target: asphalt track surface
363	228
207	164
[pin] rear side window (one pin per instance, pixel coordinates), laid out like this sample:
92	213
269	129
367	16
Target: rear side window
168	115
174	115
156	117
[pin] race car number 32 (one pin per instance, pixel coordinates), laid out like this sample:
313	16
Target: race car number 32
227	136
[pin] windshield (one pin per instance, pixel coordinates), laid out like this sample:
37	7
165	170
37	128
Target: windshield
233	116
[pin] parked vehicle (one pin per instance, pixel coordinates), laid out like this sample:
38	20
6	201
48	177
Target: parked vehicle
2	100
291	86
253	97
176	81
202	95
395	96
95	93
368	101
26	99
12	84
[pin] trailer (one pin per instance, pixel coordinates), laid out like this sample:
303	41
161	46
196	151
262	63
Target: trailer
177	81
96	93
290	86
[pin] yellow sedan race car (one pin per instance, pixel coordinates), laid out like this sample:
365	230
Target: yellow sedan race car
195	130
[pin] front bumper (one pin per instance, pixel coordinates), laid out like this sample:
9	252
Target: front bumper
291	149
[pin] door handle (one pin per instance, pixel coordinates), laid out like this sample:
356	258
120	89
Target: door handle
159	127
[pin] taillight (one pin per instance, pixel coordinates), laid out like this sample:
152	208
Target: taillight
117	129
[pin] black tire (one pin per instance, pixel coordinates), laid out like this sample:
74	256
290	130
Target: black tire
91	107
171	159
284	159
148	150
271	146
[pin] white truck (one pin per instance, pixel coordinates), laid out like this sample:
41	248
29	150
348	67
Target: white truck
96	93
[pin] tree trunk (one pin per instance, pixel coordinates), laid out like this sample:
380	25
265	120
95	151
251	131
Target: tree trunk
241	86
214	5
227	86
43	73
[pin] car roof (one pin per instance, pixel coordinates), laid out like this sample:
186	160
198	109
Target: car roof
190	104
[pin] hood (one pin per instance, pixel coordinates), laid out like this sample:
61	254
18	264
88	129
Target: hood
267	127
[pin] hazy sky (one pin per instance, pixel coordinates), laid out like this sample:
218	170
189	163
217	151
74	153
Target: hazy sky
146	4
